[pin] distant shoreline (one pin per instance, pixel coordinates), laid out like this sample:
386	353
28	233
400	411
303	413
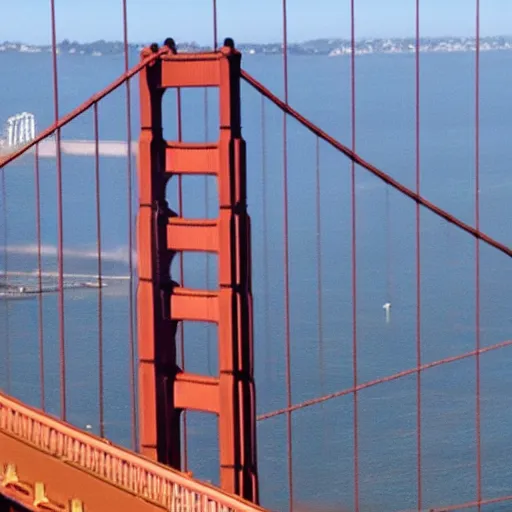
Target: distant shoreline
320	47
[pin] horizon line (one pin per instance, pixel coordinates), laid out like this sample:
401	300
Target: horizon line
302	41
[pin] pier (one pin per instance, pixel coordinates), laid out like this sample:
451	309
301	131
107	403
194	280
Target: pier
25	291
106	148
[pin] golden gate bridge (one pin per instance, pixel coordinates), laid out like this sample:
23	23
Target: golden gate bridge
48	463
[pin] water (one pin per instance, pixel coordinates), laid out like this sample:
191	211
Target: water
322	434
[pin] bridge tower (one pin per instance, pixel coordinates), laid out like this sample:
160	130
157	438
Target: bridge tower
165	390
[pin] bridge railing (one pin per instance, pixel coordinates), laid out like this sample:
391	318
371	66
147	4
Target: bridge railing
117	466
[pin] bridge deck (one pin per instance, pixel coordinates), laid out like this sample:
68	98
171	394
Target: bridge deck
42	459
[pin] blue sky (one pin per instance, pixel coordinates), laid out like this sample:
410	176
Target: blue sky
247	20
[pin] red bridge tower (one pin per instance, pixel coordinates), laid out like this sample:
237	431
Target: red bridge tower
165	389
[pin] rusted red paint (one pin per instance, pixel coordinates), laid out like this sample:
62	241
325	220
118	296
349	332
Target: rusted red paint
164	389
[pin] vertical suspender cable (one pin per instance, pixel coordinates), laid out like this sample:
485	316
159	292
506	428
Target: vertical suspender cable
354	255
320	309
60	227
418	265
6	282
389	277
477	262
286	262
129	180
320	332
100	288
39	277
215	26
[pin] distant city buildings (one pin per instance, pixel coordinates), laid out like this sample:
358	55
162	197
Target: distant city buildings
330	47
426	45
